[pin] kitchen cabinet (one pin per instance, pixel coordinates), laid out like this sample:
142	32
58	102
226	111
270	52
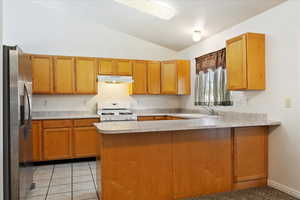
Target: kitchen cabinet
64	68
140	77
57	143
123	67
36	141
250	155
64	139
42	74
85	142
106	67
245	62
175	77
153	77
85	75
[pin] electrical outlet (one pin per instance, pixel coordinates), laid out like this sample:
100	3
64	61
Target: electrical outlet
288	102
45	102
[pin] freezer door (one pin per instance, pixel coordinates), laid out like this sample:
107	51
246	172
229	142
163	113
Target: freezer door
21	170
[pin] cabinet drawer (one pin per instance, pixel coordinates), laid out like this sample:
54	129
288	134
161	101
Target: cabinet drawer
85	122
57	123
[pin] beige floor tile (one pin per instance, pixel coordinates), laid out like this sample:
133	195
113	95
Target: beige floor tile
43	197
80	179
84	186
61	196
56	189
61	181
82	195
82	173
38	191
42	182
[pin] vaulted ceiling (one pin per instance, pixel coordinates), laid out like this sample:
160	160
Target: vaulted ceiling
211	16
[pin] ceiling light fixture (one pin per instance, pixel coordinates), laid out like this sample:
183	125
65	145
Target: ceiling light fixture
197	36
152	7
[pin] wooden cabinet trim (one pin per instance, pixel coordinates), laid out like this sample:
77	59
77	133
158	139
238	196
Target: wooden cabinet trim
60	123
85	122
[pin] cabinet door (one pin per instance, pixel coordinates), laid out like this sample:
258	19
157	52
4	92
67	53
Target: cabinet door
124	67
36	140
153	77
140	77
85	76
106	67
184	80
42	74
250	153
64	75
57	143
236	63
84	142
169	78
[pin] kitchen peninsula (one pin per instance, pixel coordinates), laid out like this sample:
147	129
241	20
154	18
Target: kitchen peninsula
174	159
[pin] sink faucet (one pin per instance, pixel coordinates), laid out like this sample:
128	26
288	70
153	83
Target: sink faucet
210	110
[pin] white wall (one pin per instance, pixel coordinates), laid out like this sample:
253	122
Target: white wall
50	30
1	109
282	28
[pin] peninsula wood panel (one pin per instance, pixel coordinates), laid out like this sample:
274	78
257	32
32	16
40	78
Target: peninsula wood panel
57	144
123	67
84	142
250	153
154	77
202	162
152	173
236	63
169	78
85	75
106	67
64	82
42	74
139	73
36	140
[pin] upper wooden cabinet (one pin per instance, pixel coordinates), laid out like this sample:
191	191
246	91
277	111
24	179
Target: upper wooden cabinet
245	62
123	67
140	77
175	77
153	77
64	75
42	74
85	75
106	67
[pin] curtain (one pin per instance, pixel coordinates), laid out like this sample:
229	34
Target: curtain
211	81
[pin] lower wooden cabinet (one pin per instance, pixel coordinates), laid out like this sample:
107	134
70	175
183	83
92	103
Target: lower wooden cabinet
64	139
57	143
250	156
84	142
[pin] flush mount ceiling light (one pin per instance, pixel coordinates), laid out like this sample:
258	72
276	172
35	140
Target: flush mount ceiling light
197	36
152	7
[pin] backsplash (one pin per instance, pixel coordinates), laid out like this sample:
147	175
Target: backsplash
88	102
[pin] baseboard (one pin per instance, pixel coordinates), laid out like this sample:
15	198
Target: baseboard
284	188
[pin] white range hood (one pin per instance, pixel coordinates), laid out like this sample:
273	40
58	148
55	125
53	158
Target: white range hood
115	79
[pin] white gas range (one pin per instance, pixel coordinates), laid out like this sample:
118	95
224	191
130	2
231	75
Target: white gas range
115	111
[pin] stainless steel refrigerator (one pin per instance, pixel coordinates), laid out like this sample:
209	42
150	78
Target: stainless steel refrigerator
17	96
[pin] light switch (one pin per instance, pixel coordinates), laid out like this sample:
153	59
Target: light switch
288	102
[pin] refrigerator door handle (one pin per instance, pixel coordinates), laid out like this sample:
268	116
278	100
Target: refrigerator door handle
28	97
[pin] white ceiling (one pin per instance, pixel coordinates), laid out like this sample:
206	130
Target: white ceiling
211	16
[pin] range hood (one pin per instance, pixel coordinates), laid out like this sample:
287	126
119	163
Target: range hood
115	79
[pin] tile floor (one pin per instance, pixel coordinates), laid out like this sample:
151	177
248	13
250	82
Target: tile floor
72	181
